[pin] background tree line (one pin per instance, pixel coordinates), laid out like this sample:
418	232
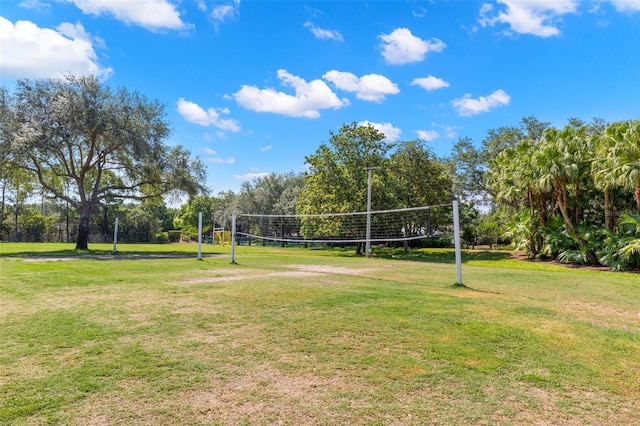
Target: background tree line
76	153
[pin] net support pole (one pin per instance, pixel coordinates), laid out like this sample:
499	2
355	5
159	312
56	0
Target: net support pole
233	238
200	236
367	249
456	241
115	236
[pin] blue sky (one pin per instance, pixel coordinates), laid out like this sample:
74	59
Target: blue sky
252	87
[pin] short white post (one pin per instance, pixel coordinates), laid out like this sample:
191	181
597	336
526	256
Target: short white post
367	248
115	236
456	241
233	238
200	236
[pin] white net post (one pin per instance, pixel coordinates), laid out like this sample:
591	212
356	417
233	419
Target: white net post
233	238
200	236
456	241
368	243
115	236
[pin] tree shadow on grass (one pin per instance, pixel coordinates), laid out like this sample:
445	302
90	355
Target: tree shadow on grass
441	255
104	254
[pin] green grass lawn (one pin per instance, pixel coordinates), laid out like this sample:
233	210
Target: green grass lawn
152	336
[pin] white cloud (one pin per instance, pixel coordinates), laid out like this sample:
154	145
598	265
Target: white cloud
428	135
391	133
467	106
537	17
450	132
430	83
35	5
265	148
322	33
419	12
217	160
626	6
29	51
149	14
251	176
193	113
401	47
225	11
370	87
308	100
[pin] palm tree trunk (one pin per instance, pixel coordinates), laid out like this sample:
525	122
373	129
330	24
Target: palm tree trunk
561	196
608	211
636	196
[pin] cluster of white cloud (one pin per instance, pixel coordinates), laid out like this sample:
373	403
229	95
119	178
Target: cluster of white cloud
626	6
33	52
540	18
401	47
221	12
468	106
430	83
390	132
29	51
193	113
323	34
150	14
217	160
427	135
250	176
370	87
309	99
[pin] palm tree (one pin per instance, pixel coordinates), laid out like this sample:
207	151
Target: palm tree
604	166
560	158
627	152
513	176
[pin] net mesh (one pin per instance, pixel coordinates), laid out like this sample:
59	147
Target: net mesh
386	225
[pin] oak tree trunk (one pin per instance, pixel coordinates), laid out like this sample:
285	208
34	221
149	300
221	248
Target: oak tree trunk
82	242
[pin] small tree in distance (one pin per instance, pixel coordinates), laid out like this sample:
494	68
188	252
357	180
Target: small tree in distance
103	143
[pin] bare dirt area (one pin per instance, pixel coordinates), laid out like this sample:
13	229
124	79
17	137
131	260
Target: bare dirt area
232	277
299	271
325	269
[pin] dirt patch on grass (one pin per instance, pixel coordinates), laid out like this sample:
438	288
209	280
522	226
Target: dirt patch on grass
227	278
603	315
326	269
295	271
47	259
265	395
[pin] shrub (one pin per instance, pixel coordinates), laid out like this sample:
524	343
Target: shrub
161	238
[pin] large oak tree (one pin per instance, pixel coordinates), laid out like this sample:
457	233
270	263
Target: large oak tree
104	143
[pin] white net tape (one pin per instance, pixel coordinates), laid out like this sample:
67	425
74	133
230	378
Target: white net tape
386	225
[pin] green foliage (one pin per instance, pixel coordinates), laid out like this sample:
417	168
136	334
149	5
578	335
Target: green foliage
161	238
86	142
573	182
338	180
275	193
173	236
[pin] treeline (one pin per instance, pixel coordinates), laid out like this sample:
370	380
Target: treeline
570	194
74	150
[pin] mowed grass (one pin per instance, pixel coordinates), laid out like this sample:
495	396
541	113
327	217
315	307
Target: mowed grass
314	337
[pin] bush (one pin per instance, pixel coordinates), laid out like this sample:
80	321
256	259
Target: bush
161	238
173	235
